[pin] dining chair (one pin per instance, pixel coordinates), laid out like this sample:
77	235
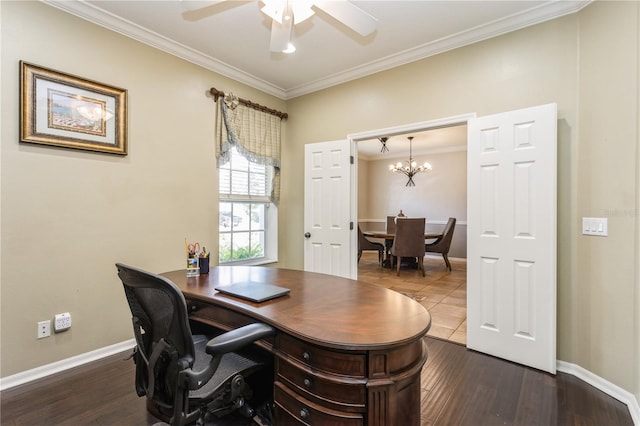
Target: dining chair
365	244
391	224
442	244
409	242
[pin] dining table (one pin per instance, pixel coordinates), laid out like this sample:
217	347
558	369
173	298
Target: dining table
388	241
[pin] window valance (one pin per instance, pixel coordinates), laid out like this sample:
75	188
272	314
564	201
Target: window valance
254	133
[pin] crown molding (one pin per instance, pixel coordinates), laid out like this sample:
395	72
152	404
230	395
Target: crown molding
537	15
547	11
129	29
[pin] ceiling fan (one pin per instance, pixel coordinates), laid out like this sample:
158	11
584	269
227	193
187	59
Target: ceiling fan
287	13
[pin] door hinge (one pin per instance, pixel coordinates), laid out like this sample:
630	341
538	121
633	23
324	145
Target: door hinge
351	159
351	226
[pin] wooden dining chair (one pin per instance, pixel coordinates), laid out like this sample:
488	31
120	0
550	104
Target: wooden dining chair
442	244
409	242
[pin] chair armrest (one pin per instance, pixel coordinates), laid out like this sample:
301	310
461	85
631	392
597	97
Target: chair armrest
236	339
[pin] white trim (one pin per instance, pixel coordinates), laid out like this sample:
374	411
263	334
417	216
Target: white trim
605	386
429	221
412	127
586	376
533	16
98	16
545	12
65	364
439	256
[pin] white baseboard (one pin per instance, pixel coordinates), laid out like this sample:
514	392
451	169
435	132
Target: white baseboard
46	370
605	386
65	364
439	256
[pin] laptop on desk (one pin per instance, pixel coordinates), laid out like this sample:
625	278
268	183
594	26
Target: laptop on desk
253	291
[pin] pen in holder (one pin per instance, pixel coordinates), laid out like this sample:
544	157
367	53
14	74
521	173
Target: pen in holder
193	270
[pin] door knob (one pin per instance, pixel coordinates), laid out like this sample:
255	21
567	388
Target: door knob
307	235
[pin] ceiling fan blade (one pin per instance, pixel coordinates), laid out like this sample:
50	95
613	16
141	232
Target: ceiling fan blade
350	15
190	5
280	35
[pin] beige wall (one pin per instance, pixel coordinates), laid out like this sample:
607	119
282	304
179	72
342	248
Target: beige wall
587	64
602	288
68	216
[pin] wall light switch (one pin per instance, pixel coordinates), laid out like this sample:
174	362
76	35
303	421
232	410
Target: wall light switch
595	226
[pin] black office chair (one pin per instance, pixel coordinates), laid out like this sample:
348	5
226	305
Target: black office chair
185	378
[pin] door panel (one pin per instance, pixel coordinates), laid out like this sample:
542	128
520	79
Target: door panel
511	264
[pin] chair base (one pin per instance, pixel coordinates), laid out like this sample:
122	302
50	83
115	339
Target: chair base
412	262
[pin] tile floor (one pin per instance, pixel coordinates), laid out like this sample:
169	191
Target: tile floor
443	293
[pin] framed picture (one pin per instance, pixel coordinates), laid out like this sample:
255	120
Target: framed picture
67	111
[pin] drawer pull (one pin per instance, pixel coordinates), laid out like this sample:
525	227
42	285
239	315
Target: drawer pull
307	383
304	413
306	356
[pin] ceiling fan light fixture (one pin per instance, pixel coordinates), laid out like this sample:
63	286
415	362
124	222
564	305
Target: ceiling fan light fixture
290	48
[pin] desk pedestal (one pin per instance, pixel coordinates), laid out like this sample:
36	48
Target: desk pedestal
319	386
345	352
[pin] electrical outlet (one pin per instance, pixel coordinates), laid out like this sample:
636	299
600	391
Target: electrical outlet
44	329
62	322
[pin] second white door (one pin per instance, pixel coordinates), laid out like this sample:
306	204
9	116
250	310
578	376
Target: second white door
327	216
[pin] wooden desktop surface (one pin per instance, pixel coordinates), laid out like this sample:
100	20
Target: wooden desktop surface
322	309
346	352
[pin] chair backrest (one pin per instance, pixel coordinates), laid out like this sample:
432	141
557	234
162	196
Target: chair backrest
391	224
365	244
409	239
443	245
162	332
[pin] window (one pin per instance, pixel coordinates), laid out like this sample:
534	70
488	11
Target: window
248	219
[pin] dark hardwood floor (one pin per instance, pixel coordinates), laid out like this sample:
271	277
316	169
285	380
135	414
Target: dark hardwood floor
459	387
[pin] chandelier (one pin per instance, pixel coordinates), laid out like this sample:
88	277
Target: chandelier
411	169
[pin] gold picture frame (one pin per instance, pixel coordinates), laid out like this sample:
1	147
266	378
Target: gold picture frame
63	110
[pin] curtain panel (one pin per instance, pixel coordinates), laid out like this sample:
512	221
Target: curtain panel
254	133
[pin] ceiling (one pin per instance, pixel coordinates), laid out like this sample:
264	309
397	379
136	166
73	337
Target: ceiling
232	37
434	141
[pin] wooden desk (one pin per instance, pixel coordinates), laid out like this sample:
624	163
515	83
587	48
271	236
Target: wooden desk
346	352
388	241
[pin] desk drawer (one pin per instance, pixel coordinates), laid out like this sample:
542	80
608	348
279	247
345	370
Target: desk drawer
225	318
346	364
346	394
293	409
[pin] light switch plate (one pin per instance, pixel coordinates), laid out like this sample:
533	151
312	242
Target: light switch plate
595	226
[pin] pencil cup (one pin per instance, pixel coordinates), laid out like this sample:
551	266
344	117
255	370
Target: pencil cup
204	265
192	267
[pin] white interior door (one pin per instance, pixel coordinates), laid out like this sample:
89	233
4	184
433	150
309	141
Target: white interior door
511	252
327	219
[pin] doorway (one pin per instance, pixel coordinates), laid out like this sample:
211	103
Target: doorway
437	195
